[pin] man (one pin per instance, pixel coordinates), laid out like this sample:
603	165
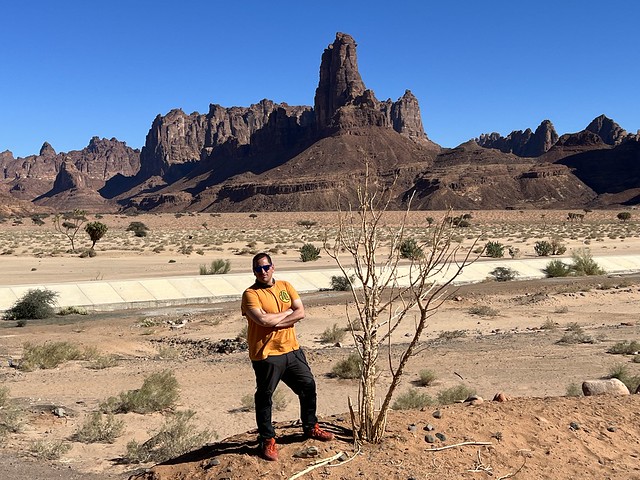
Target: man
272	308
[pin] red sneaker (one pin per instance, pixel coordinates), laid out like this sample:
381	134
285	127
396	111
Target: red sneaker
270	449
319	434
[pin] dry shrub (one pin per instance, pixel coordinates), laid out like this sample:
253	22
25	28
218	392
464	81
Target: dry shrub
99	428
333	334
159	392
176	437
459	393
412	399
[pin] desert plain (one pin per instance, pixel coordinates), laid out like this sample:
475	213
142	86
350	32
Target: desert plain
515	337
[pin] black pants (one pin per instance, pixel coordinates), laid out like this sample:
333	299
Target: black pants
292	368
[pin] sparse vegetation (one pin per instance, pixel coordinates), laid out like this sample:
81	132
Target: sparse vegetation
622	373
557	268
159	392
340	283
36	304
349	368
279	400
139	229
10	416
483	311
426	377
333	334
503	274
448	335
72	310
309	253
459	393
306	223
494	249
69	224
49	450
584	264
177	436
625	348
575	334
99	428
48	355
218	267
412	399
410	249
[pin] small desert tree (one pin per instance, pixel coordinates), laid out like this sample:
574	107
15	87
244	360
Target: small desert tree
624	216
69	223
389	292
96	231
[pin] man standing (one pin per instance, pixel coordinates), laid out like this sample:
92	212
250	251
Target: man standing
272	308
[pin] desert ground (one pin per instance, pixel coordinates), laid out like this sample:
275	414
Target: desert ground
515	337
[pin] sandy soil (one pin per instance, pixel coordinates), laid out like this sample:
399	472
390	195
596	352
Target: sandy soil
508	352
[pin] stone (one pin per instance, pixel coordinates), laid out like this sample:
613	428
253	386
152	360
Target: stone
429	438
437	414
611	386
307	452
574	426
611	428
412	428
441	436
429	428
500	397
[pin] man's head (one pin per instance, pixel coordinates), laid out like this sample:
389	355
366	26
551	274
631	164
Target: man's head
263	268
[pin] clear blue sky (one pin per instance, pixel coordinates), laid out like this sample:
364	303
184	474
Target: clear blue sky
75	69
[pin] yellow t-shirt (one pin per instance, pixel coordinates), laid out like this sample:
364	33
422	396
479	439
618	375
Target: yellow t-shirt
265	341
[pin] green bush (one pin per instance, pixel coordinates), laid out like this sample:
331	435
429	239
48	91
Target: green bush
412	399
349	368
543	248
503	274
341	283
98	428
426	377
333	334
557	268
139	229
309	253
35	304
455	394
95	230
176	437
494	249
410	249
624	216
584	264
159	392
218	267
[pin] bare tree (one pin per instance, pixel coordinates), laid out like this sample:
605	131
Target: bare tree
386	290
69	223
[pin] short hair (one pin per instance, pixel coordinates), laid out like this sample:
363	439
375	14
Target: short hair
260	256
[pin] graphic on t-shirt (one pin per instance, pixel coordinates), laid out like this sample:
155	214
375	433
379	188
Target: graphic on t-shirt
284	296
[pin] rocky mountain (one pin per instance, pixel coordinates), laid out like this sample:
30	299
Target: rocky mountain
274	156
41	176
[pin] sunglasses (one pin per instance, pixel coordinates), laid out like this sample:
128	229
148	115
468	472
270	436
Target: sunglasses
262	268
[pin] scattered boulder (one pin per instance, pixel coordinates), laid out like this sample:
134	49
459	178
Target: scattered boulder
610	386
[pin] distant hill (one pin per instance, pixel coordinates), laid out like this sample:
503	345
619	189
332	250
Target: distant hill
271	156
